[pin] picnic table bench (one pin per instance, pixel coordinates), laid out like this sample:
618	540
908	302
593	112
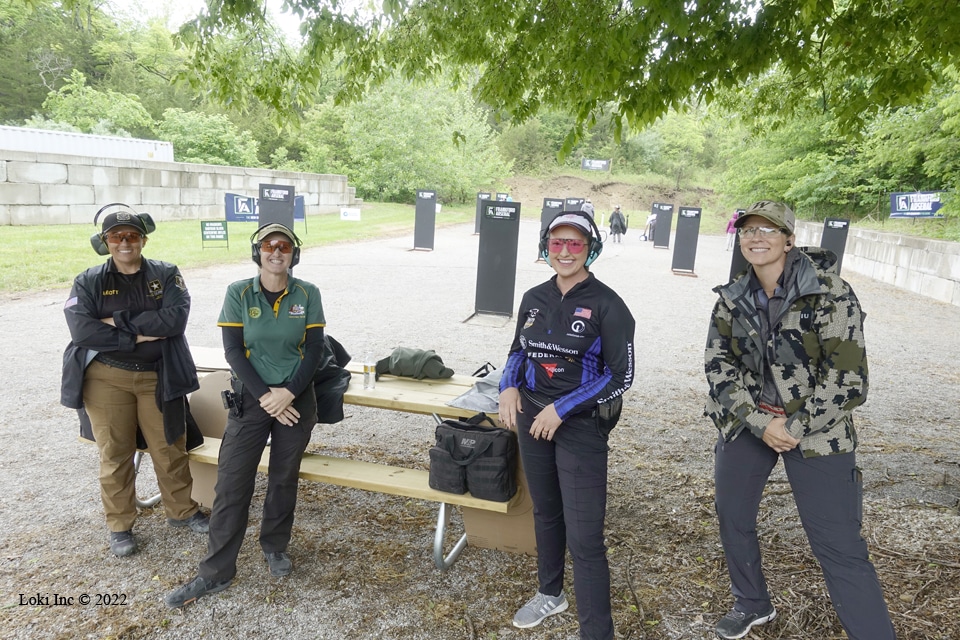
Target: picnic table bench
488	524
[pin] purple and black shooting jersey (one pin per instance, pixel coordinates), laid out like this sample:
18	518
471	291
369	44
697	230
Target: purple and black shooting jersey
575	350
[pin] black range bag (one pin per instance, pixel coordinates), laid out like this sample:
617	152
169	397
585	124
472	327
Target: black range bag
472	457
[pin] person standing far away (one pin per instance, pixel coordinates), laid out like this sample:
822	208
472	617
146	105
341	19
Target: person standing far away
128	370
786	365
731	230
651	225
561	389
272	326
587	207
618	224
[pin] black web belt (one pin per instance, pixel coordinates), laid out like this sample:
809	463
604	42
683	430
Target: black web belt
127	366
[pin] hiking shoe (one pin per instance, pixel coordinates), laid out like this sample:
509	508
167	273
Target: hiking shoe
198	522
122	543
279	563
193	591
539	607
737	624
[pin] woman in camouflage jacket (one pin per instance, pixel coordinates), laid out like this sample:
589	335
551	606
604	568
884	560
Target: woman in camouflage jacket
786	364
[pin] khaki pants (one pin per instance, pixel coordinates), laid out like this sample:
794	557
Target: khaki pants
117	401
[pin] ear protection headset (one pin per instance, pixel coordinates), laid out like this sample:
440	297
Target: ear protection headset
97	240
593	250
255	254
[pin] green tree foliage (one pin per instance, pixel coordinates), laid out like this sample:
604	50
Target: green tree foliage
143	59
634	61
91	110
207	139
679	142
810	163
40	44
404	137
528	148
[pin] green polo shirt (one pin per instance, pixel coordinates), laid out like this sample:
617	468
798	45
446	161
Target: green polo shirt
273	336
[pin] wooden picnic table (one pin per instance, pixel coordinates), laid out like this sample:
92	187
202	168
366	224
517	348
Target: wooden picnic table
506	526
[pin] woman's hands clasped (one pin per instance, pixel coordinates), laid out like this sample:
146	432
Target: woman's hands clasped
278	402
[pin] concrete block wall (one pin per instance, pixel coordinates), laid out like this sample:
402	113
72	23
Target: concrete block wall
928	267
39	188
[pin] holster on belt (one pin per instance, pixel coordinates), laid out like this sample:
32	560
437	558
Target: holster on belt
237	385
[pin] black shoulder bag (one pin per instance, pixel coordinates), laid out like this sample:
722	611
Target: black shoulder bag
472	457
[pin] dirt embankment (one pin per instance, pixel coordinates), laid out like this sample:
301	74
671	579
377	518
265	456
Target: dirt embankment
606	194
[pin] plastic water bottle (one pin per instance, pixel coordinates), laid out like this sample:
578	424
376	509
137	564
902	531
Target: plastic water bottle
369	372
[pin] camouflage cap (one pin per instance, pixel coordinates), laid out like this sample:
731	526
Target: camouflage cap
776	212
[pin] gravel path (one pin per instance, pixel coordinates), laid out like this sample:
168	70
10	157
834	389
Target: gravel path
363	564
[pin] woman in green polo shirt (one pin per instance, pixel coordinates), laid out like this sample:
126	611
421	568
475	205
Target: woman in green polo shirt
273	340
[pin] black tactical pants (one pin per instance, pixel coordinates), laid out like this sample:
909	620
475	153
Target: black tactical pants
243	443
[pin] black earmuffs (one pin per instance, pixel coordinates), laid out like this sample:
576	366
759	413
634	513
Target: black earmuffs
99	243
594	248
255	247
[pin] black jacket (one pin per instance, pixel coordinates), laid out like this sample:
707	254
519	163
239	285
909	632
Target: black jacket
177	375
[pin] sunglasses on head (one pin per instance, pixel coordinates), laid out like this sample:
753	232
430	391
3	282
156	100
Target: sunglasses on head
269	246
574	246
117	237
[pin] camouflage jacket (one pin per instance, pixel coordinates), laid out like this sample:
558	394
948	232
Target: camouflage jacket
819	358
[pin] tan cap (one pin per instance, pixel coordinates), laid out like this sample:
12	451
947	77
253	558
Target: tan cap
776	212
276	227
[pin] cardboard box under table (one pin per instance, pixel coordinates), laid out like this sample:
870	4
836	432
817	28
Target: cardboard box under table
507	526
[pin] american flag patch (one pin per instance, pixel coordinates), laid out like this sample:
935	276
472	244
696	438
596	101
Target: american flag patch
582	312
71	302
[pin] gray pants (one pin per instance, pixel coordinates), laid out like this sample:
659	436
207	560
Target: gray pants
828	492
240	452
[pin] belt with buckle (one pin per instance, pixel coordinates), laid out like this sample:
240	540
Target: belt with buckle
127	366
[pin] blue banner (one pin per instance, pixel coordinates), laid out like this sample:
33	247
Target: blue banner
246	208
917	204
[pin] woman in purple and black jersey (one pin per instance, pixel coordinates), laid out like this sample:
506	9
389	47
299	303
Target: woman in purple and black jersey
571	360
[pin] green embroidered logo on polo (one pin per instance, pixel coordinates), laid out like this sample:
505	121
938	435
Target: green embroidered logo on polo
254	312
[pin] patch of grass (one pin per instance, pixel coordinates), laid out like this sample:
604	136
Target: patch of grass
48	256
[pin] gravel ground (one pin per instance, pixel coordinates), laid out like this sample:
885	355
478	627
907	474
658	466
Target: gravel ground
363	565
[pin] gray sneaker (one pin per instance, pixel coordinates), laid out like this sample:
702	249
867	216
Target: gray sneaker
198	522
737	624
539	608
122	543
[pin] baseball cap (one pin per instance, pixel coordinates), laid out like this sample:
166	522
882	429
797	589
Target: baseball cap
124	218
776	212
578	221
276	227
